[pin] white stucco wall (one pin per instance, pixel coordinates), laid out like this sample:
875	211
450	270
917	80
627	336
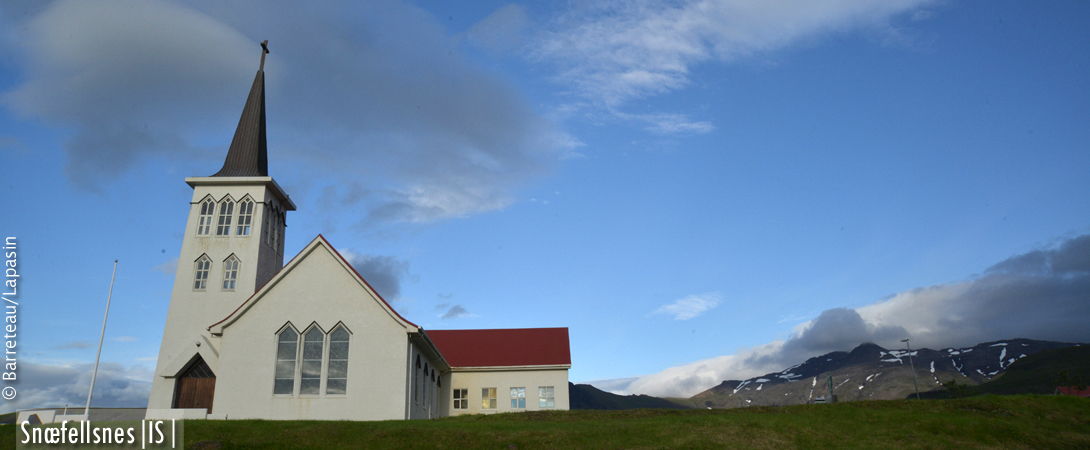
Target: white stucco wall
425	403
318	290
503	381
190	311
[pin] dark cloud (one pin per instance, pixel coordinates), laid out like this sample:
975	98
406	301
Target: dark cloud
129	79
376	99
44	385
1071	257
455	312
839	329
383	273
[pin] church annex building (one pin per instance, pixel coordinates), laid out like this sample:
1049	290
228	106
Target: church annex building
249	337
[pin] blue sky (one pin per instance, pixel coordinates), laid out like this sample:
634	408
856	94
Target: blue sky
698	190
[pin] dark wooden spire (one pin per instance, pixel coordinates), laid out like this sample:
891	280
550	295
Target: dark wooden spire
248	155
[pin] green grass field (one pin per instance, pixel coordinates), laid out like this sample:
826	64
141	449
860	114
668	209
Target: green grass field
982	422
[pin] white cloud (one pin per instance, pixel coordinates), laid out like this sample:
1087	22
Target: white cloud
663	123
616	51
688	307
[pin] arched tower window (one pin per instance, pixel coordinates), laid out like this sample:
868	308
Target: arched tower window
337	370
227	210
276	237
313	342
266	211
245	217
230	272
286	349
204	221
200	272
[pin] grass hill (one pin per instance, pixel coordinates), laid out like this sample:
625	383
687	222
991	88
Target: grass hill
1035	374
982	422
585	396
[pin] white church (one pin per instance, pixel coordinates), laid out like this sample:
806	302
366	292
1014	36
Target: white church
248	337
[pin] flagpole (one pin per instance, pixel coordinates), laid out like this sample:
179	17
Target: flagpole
87	410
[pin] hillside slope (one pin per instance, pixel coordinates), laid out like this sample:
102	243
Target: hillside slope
1035	374
870	372
585	396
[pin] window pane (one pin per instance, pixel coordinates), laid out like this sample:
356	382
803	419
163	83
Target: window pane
312	369
338	369
285	369
335	387
286	350
337	366
488	398
284	382
312	350
338	350
200	275
284	386
310	386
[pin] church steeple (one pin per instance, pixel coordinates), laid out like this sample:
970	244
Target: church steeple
248	155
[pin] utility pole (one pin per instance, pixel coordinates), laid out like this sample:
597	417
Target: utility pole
913	366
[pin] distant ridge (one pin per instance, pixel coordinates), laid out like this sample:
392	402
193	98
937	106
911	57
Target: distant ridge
585	396
871	372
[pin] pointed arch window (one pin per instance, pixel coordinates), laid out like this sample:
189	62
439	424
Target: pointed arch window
227	211
204	220
313	343
286	350
245	217
278	232
424	380
274	228
230	272
200	272
416	386
337	368
266	212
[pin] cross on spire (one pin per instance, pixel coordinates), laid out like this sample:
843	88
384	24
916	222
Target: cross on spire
265	48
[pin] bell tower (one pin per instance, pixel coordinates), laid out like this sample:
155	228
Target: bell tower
233	244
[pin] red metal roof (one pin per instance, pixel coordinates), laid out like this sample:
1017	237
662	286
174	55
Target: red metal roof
1072	390
503	347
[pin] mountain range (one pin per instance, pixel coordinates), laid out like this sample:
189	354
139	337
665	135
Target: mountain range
868	372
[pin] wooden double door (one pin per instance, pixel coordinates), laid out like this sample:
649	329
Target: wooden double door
196	387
